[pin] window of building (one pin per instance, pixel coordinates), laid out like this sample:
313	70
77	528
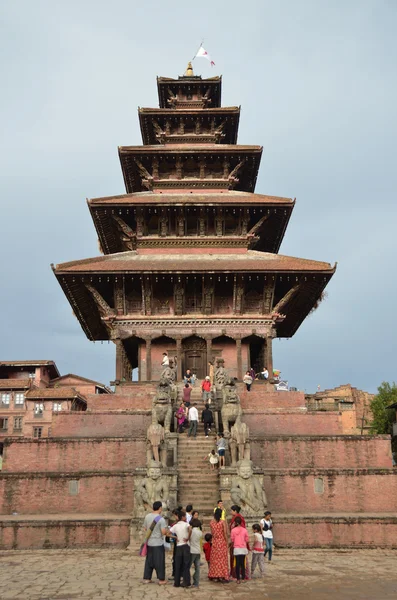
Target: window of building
19	398
17	423
38	409
57	406
5	400
37	432
4	423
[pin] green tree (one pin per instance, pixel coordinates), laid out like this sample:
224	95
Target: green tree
383	417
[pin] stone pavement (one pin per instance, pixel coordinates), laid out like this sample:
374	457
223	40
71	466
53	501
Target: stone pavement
116	575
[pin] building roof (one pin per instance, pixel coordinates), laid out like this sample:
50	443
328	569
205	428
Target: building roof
55	393
32	363
212	85
83	379
15	384
206	261
231	197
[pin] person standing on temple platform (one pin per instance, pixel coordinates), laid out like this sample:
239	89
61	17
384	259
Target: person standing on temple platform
195	549
252	373
189	378
206	389
193	420
267	532
165	362
221	446
248	381
207	418
181	417
186	393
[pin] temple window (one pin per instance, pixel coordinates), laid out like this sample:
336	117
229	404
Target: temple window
57	406
37	432
17	423
38	409
19	399
4	423
5	400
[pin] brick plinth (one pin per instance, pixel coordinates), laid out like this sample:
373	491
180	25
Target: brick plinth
35	493
262	396
100	424
326	452
64	531
291	422
74	455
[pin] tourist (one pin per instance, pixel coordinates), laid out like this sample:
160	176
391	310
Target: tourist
219	564
257	550
193	420
240	542
189	515
182	532
195	549
267	532
207	418
248	380
186	393
213	457
221	446
156	528
165	362
252	373
181	417
188	377
206	389
175	513
264	374
211	371
236	512
207	548
222	508
195	515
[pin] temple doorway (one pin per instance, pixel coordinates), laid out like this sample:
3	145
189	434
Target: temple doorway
194	356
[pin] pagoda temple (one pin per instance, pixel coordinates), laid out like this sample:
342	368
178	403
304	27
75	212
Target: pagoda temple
190	262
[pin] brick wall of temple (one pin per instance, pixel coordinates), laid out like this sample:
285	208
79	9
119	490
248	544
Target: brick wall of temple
338	491
291	452
292	423
51	493
100	424
74	455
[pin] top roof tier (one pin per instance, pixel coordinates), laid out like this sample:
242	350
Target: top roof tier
189	92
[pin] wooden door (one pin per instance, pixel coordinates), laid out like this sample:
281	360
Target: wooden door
195	361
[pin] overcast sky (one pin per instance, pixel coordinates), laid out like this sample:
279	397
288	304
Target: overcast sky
316	80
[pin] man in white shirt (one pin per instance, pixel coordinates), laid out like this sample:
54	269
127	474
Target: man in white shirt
265	373
193	420
165	362
182	532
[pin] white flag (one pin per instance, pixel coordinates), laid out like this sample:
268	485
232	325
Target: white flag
204	54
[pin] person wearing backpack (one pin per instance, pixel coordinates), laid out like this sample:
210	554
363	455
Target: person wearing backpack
156	528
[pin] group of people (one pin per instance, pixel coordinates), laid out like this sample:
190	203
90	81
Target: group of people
250	376
188	418
226	547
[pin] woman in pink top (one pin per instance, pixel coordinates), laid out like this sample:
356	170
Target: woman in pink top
240	542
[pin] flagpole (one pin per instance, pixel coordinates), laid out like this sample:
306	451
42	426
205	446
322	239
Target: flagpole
195	56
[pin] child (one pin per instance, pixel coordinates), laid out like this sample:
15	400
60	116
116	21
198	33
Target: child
195	515
257	550
240	541
195	549
267	532
214	459
207	547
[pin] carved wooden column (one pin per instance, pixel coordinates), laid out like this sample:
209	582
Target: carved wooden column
239	359
148	359
119	360
118	296
147	295
179	374
139	222
209	354
269	356
202	222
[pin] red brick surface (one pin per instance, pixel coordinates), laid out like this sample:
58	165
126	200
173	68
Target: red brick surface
348	491
73	533
293	423
292	452
38	493
100	424
74	455
260	396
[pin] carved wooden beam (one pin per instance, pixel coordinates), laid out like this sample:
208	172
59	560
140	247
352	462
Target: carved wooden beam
129	238
234	172
285	299
258	225
104	309
268	296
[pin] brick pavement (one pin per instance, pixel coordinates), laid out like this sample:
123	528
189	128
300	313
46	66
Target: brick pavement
116	575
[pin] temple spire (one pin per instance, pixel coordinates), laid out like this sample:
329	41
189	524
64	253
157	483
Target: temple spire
189	70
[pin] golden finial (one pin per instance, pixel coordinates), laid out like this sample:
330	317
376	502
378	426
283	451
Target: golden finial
189	70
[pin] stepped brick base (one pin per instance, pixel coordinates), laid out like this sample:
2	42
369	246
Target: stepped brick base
23	532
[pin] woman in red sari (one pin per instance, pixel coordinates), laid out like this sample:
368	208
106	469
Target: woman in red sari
236	513
219	564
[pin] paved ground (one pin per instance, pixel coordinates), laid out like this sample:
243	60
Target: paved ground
116	575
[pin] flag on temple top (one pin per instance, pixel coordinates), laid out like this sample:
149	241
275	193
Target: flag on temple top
204	54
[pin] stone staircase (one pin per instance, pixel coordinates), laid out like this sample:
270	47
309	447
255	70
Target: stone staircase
198	484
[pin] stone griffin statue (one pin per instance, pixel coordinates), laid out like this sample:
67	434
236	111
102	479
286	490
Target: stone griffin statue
239	442
231	408
155	486
246	490
161	408
155	442
220	375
